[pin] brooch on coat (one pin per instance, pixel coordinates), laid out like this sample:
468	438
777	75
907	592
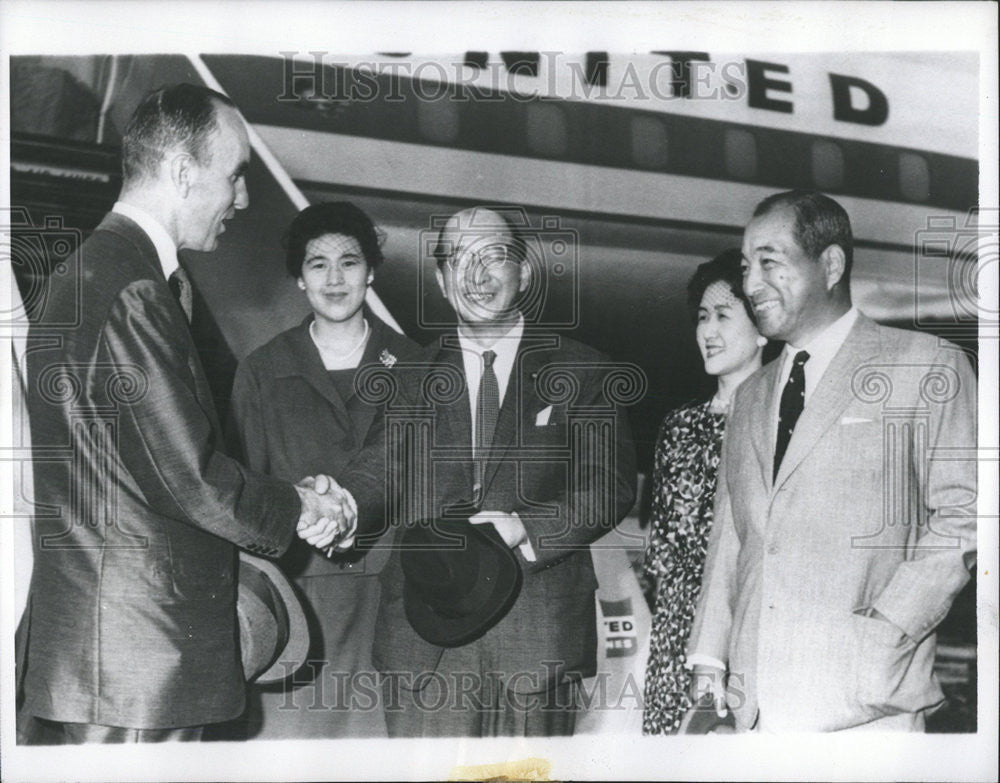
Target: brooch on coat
387	358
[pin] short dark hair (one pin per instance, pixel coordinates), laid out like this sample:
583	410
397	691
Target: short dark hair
331	217
819	222
177	115
724	268
443	247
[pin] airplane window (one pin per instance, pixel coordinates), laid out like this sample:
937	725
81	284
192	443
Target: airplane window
914	177
546	128
649	142
741	153
827	165
438	120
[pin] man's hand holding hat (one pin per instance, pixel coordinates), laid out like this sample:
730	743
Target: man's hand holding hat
509	526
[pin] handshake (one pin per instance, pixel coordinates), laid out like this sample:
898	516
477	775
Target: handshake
329	517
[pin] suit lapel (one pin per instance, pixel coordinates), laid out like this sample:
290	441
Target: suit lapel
532	355
453	421
831	396
123	226
149	261
763	421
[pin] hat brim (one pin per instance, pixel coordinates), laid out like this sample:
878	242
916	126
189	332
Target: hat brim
447	631
296	649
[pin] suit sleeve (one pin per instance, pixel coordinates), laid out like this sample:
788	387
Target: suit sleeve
368	479
601	487
713	619
921	591
379	477
169	442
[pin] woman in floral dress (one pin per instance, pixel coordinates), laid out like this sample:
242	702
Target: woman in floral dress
684	473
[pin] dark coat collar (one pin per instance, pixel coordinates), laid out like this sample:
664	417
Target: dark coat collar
117	223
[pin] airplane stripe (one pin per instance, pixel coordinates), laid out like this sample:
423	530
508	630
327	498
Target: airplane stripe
402	109
485	177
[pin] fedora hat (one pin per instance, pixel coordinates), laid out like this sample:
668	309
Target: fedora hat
460	579
274	637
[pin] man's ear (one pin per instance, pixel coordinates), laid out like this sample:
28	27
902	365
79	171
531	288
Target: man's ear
182	173
834	264
525	276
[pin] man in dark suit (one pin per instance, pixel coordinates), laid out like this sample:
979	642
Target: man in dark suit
531	433
845	513
131	625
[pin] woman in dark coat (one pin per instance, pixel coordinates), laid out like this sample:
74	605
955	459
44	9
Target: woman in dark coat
295	413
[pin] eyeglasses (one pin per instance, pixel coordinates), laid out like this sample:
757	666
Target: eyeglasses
491	257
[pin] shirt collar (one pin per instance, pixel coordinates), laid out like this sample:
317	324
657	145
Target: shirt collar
824	346
166	250
505	347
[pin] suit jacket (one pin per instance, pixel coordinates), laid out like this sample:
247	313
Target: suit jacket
570	478
289	420
138	514
873	507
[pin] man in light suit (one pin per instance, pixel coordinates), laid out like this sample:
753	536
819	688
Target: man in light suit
131	624
845	511
535	437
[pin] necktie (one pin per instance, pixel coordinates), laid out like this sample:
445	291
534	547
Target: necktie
793	399
180	287
488	404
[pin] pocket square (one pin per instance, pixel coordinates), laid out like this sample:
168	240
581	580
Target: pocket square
854	420
542	419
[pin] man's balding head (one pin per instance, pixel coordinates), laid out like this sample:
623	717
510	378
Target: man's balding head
177	117
481	266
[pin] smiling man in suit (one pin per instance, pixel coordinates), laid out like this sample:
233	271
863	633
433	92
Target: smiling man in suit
535	445
843	531
131	623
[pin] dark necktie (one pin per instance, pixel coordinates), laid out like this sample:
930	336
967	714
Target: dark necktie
793	399
180	287
488	404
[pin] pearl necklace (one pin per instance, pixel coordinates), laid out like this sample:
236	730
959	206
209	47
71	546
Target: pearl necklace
338	356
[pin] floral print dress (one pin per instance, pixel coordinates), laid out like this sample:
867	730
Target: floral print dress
684	474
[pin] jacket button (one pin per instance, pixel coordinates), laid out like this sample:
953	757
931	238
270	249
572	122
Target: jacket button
772	549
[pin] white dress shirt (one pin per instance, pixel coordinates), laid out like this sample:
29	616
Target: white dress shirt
166	250
505	349
821	349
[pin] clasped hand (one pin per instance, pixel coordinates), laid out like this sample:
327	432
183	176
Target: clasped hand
329	514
